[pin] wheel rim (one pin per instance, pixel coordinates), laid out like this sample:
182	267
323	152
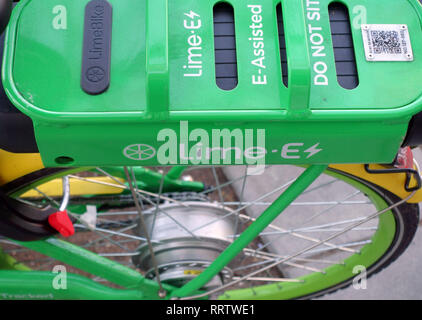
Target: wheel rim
336	274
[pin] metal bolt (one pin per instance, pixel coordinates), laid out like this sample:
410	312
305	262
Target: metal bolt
162	294
187	178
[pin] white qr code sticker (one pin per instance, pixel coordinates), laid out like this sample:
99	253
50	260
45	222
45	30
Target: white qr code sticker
387	42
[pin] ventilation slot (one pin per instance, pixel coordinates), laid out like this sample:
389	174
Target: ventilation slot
282	44
344	53
225	47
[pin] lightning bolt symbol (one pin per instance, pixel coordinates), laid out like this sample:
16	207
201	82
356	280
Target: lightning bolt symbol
192	14
313	150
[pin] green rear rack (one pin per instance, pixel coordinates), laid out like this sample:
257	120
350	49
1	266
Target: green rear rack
163	104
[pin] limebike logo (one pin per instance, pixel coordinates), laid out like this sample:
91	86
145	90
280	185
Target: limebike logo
200	146
217	146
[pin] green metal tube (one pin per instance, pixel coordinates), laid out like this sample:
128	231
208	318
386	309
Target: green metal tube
39	285
7	262
149	180
92	263
86	260
272	212
175	172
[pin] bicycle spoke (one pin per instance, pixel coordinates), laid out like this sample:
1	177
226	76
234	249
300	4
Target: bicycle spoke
117	213
121	185
114	233
353	194
320	203
51	200
269	259
350	244
273	255
133	189
290	257
246	206
139	193
220	195
118	254
268	279
151	232
102	237
298	236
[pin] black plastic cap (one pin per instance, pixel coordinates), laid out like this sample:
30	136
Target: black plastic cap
95	78
414	133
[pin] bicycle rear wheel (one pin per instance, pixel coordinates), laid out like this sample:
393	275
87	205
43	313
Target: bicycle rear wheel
193	220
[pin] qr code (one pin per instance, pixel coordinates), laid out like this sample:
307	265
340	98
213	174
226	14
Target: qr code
386	42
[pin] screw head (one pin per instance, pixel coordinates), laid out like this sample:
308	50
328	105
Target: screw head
162	294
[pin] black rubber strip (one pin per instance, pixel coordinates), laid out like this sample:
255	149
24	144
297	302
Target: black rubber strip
16	129
341	32
96	56
282	44
414	133
23	222
225	46
5	11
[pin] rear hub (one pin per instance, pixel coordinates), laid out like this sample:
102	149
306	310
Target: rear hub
186	239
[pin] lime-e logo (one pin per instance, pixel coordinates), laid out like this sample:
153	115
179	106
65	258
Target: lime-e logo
295	151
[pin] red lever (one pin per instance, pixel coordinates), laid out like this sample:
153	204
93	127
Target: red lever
62	223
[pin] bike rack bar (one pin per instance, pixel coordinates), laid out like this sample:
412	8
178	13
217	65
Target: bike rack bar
299	60
157	64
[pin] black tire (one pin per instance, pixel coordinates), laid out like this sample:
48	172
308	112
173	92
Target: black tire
407	220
